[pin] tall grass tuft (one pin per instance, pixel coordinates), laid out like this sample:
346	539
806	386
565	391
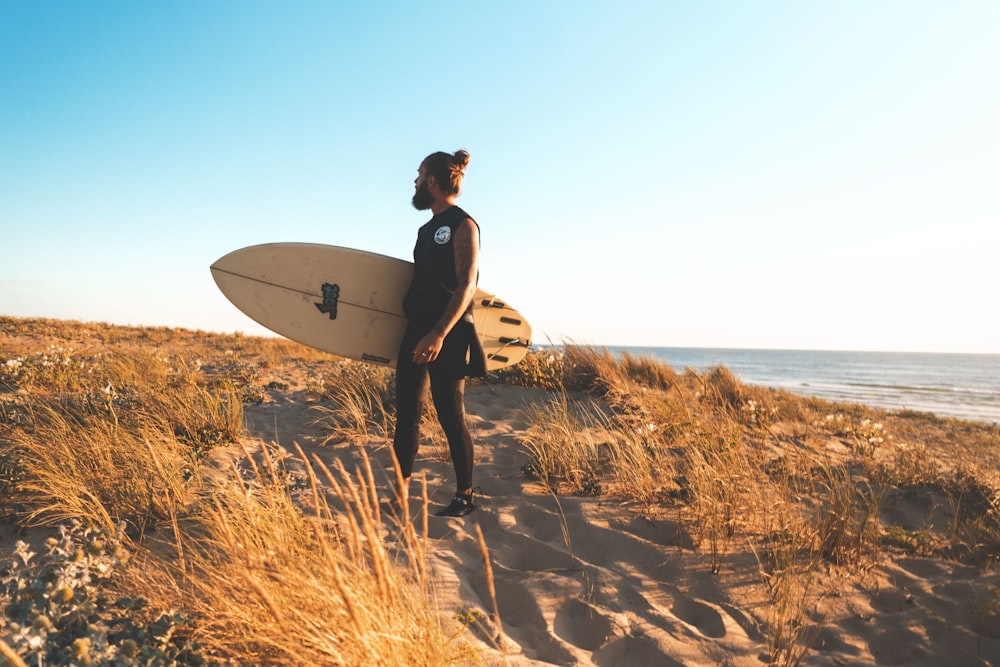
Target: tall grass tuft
847	523
716	484
790	572
273	583
122	449
361	401
565	442
78	464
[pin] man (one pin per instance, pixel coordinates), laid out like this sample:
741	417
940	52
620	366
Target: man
440	344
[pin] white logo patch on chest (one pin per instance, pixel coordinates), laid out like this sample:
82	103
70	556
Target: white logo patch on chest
442	235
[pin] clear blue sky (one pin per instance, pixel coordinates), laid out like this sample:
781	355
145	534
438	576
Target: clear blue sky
776	174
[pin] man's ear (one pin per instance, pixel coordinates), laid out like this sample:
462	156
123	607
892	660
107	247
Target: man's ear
431	181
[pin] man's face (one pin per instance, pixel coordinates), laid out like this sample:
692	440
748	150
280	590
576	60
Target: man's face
422	197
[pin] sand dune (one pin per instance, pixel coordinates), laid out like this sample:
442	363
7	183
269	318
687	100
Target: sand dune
586	581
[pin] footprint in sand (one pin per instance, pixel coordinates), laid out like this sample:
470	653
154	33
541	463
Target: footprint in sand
524	554
703	617
582	625
634	652
523	617
665	533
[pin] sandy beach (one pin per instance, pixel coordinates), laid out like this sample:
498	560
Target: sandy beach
589	581
601	580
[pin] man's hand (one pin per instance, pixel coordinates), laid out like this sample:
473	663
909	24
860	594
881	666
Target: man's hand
428	349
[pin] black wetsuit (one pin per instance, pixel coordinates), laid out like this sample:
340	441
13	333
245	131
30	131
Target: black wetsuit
461	356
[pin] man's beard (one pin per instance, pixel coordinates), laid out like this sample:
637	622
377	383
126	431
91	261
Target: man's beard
422	198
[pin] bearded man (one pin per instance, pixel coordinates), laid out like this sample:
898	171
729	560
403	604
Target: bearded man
440	346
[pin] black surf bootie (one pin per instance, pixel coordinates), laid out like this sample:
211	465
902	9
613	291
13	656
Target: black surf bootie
460	505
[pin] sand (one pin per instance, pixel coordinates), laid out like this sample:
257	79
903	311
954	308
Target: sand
590	581
587	581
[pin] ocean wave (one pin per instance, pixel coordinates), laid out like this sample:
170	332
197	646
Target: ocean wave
935	389
975	405
945	404
927	388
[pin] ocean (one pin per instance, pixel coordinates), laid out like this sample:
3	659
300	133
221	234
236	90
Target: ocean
966	386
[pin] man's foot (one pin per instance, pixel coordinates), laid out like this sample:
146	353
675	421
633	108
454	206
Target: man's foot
460	505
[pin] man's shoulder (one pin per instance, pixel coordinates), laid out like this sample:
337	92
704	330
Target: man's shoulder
460	215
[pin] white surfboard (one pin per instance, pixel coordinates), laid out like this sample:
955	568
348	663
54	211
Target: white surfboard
349	302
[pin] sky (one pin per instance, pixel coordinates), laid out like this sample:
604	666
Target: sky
774	174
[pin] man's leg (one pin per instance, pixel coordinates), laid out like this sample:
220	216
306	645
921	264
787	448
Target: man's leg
411	385
449	401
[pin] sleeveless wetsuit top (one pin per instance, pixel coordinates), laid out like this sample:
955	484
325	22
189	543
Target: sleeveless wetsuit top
434	276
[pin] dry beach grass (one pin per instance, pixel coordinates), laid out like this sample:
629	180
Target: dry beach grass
175	497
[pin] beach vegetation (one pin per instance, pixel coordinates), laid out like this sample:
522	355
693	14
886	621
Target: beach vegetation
813	482
175	538
357	400
63	606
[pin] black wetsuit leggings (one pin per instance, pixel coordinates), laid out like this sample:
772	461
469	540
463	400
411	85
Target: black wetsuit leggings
448	394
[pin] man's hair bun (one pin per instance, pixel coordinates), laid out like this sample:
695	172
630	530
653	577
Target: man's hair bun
448	169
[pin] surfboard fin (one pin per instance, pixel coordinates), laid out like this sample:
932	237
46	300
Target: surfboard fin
519	342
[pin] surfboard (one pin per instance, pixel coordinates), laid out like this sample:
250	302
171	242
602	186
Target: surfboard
349	302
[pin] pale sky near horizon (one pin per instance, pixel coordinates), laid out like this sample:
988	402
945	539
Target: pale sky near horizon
776	174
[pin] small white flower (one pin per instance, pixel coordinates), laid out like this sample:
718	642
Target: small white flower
22	551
